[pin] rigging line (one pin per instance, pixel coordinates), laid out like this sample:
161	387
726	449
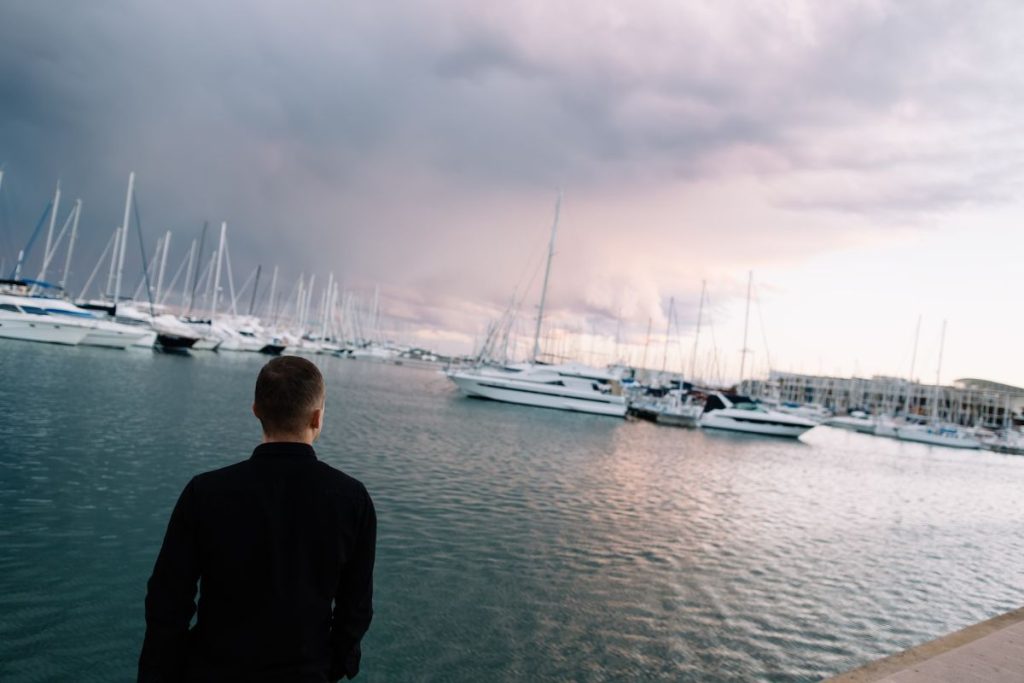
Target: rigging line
92	275
32	239
142	249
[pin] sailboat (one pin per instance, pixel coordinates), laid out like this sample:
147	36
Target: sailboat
937	433
736	413
566	386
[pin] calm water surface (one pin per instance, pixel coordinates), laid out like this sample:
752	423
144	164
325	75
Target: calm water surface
514	543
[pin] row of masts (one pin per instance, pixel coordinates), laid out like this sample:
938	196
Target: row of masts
319	312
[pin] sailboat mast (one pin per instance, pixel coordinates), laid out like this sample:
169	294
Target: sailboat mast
71	244
913	362
696	336
124	237
547	275
746	326
668	331
216	271
163	265
49	232
938	371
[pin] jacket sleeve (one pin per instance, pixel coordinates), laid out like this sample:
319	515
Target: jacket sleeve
353	600
170	596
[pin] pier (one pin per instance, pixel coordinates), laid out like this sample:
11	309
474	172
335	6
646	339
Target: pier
991	651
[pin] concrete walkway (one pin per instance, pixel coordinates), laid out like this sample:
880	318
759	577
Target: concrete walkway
992	651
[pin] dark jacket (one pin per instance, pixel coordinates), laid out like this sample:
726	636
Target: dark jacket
273	541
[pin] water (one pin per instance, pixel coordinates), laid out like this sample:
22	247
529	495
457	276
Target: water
514	543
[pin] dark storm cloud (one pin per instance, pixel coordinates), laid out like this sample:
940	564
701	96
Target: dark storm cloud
418	146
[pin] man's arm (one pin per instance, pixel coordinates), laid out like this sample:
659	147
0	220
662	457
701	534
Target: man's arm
170	599
353	600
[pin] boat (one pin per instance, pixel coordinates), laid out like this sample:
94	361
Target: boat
951	436
27	322
810	411
856	421
735	413
679	410
105	333
936	432
567	386
570	387
1010	442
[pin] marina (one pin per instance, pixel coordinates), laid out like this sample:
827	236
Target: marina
509	533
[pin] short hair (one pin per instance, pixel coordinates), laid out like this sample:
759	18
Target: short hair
288	390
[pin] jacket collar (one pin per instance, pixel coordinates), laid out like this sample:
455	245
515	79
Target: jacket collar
281	450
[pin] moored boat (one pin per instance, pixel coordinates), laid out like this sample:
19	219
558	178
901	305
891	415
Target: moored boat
740	414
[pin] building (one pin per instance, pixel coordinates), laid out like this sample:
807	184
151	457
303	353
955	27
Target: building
968	402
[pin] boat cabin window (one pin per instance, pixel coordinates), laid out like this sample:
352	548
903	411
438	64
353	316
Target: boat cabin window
34	310
10	307
77	314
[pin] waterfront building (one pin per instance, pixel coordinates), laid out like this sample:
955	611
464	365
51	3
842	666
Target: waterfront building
969	402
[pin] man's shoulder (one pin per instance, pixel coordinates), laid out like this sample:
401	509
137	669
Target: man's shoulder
340	479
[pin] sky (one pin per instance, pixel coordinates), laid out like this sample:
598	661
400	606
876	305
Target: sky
861	159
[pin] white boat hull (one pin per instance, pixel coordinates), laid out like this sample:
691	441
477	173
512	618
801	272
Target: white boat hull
206	344
117	336
539	395
852	424
752	425
931	438
42	331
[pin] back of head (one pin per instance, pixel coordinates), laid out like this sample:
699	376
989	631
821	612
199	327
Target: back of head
289	390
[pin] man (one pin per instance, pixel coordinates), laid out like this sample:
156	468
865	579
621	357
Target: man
274	541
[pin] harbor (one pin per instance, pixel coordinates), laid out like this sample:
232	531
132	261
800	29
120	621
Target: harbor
515	534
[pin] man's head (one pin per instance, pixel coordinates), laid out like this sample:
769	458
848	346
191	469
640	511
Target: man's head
289	400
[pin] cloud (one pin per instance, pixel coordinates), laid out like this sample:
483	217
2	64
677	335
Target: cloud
420	148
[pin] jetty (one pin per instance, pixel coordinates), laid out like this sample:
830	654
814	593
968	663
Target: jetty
991	652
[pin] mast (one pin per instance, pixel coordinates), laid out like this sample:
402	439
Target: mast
71	244
643	362
185	295
271	311
668	331
195	273
696	336
913	362
938	372
746	325
163	265
255	288
124	237
547	275
113	262
216	271
49	232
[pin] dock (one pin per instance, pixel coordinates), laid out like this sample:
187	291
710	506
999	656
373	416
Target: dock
990	652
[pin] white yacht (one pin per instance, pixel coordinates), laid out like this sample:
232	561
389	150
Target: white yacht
30	322
951	436
740	414
107	333
856	421
563	387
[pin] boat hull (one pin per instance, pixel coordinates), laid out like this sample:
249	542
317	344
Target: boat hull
538	395
852	424
174	341
674	420
109	336
42	331
933	439
752	426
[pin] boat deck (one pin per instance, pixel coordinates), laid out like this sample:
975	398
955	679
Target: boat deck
991	651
